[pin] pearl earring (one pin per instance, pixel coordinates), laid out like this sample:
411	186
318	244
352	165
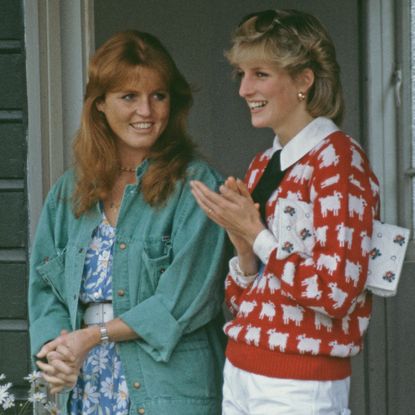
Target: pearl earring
300	96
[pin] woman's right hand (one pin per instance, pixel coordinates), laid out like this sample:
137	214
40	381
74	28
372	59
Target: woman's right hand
73	346
60	370
246	255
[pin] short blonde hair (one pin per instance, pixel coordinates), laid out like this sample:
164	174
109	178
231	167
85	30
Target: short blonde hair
293	40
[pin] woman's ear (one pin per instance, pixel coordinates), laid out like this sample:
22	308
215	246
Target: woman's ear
100	105
305	80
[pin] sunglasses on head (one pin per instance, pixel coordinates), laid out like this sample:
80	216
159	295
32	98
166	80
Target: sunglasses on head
265	20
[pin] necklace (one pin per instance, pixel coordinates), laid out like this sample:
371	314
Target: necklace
127	169
114	206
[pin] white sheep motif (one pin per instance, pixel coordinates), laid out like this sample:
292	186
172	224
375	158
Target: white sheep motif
337	295
321	234
252	335
246	307
274	284
311	291
308	344
260	284
267	311
352	272
357	159
328	157
234	331
374	187
357	205
356	182
363	324
330	181
344	235
346	324
292	313
329	262
277	339
301	173
338	349
366	243
330	203
323	320
288	273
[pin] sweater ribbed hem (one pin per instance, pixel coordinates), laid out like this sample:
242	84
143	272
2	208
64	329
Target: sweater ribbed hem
275	364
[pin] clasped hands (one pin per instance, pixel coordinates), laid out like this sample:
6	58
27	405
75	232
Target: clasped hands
62	359
234	210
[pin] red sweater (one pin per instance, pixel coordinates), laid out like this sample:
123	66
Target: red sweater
302	318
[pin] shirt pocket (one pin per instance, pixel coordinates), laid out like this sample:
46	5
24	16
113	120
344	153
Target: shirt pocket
192	371
156	257
52	271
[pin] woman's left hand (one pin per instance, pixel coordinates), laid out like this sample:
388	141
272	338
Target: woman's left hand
59	373
233	211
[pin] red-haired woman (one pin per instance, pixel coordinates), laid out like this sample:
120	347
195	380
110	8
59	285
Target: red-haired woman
126	270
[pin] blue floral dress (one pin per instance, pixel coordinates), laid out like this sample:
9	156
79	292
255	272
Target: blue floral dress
101	387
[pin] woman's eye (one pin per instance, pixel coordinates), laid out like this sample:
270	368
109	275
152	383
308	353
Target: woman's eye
128	97
238	74
260	74
160	96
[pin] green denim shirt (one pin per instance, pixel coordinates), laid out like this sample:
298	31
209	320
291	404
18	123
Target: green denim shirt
168	271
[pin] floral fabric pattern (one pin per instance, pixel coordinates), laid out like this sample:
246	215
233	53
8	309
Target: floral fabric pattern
101	388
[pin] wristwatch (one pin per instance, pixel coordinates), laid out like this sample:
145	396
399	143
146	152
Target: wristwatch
103	334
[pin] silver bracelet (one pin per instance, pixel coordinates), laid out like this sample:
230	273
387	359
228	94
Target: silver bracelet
103	334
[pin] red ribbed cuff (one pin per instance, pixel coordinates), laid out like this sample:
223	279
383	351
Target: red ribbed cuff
284	365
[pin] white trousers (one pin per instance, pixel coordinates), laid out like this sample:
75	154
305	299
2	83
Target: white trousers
245	393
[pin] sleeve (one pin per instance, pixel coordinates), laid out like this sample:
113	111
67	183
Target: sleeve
190	293
48	313
330	280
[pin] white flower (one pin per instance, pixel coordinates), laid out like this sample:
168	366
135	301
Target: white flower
91	396
8	402
33	377
122	396
107	387
4	394
37	397
2	376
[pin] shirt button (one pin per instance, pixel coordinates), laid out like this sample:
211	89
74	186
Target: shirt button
120	293
141	411
137	385
123	246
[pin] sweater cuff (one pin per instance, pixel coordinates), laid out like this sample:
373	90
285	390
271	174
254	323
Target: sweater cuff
264	244
237	275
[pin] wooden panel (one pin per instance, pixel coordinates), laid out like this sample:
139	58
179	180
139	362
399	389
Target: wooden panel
13	153
401	341
13	81
357	388
13	291
376	344
11	21
14	349
13	220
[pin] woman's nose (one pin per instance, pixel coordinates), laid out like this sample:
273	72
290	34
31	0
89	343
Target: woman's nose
143	107
245	87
